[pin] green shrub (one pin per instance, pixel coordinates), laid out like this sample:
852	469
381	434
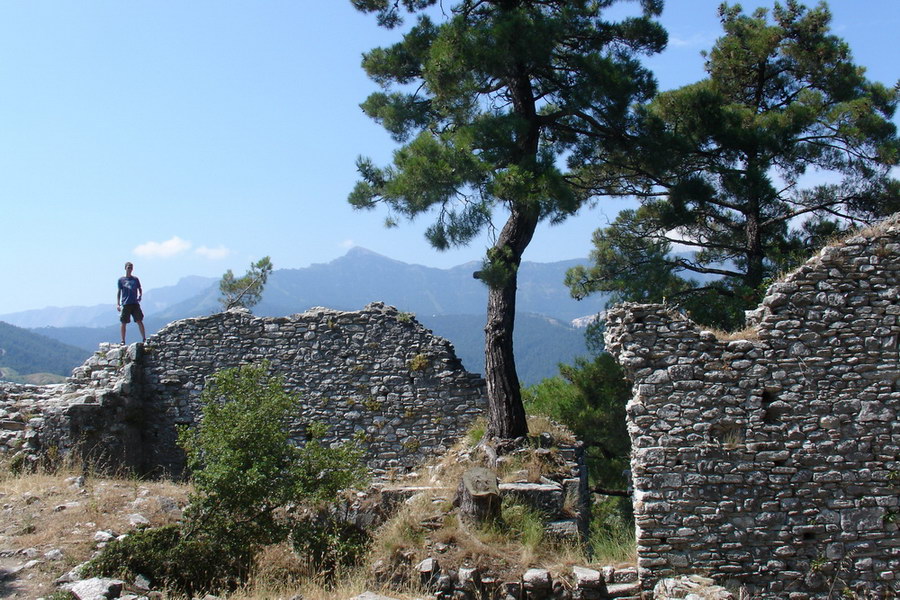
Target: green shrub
243	465
419	362
245	471
589	397
329	543
167	558
322	470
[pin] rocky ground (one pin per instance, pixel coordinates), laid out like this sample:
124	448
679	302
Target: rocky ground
51	523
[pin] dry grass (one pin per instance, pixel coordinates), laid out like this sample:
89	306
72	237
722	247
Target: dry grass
748	333
869	230
524	467
839	239
446	472
538	424
281	575
49	511
45	512
424	528
618	548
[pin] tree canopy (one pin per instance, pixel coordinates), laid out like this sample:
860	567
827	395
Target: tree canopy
488	104
247	290
784	144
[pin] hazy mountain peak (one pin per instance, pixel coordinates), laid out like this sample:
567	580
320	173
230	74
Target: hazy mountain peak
358	254
359	251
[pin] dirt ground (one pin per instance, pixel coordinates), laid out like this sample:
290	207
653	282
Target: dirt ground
49	523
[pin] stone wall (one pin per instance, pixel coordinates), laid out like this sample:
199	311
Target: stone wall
772	460
375	373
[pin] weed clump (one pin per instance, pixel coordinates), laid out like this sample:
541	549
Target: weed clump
419	362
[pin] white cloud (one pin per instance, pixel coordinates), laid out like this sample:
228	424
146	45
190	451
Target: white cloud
216	253
168	249
697	40
347	244
675	236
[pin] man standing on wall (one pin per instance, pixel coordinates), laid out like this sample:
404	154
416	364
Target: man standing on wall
128	301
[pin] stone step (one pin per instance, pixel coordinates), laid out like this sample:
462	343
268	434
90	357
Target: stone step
623	590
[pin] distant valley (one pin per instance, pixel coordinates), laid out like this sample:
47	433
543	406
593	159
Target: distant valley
448	301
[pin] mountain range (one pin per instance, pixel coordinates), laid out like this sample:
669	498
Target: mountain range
451	302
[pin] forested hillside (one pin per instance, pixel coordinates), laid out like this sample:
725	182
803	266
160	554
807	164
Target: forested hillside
541	343
27	353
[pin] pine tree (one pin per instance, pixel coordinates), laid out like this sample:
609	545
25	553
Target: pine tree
245	291
487	105
782	99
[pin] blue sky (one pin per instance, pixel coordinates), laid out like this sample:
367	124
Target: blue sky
195	137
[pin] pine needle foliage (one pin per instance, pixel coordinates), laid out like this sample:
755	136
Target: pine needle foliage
489	102
589	398
245	291
784	144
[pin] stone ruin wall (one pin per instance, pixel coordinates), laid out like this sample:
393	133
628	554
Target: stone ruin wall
376	373
773	461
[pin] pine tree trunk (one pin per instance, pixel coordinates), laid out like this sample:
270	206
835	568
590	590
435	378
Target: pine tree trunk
756	182
755	254
506	415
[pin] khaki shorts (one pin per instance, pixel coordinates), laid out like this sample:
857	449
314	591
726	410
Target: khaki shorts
131	310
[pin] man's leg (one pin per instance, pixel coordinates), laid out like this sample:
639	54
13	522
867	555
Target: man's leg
143	333
123	332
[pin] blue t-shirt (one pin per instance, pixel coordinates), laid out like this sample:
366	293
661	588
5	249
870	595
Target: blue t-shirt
129	287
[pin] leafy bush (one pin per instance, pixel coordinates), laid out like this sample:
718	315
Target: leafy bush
329	543
243	465
323	470
246	472
168	558
589	397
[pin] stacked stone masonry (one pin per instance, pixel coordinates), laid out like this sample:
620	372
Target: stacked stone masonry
376	374
581	583
772	461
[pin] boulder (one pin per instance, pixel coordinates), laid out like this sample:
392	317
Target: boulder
97	588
